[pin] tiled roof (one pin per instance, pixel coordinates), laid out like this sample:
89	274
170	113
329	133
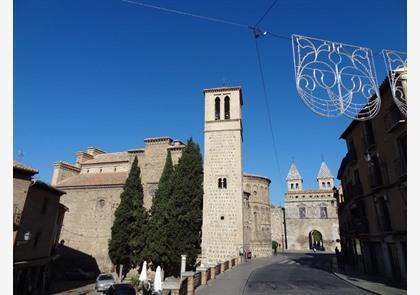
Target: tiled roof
324	171
87	179
21	166
293	173
109	158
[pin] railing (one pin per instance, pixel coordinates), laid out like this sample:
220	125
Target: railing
192	280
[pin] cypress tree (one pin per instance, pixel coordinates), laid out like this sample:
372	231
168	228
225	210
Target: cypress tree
185	208
129	223
158	250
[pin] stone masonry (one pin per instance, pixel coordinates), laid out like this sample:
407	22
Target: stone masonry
258	214
94	185
311	210
223	233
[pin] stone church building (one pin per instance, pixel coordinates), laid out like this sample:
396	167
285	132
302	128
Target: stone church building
311	214
236	205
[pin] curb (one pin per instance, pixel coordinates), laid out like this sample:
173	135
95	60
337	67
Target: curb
354	285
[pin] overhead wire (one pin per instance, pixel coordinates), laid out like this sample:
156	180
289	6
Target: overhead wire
266	12
213	19
267	106
257	33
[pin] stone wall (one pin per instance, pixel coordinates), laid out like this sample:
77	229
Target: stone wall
278	232
222	206
94	189
258	216
87	225
298	227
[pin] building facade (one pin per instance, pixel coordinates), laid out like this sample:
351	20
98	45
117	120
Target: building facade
311	214
223	227
38	217
236	206
257	218
94	185
373	206
278	227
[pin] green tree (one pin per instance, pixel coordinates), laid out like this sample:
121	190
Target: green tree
158	249
185	208
128	230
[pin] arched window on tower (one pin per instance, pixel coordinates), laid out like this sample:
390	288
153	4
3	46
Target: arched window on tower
227	107
291	185
217	109
297	185
328	184
220	183
224	183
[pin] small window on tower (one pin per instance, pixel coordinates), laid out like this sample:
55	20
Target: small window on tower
224	183
291	185
220	183
217	109
329	184
297	185
323	184
227	107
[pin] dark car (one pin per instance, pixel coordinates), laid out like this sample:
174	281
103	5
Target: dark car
121	289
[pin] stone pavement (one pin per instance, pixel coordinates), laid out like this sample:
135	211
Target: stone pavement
368	283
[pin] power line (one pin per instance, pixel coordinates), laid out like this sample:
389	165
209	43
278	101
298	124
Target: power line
267	105
213	19
208	18
266	12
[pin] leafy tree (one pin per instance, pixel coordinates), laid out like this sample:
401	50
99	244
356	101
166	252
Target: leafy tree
128	231
274	245
158	249
185	208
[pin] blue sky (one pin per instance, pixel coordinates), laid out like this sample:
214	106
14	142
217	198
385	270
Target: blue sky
109	74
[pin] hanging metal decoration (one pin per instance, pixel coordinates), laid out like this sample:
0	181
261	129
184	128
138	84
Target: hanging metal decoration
396	66
336	79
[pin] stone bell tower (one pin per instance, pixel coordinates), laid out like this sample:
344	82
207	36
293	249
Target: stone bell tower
222	202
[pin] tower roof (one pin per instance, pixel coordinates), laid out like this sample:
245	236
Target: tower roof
293	173
324	171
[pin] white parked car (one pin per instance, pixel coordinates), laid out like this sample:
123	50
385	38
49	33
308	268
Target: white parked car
103	282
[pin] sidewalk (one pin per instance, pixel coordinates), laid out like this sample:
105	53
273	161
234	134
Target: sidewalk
368	283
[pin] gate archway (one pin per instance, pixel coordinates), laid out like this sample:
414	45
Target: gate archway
315	240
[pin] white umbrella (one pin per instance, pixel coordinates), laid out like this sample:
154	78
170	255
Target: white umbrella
157	286
143	274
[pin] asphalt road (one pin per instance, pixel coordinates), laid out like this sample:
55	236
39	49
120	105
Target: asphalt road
283	274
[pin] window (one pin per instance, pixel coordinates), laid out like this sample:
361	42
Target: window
297	185
328	184
302	212
217	109
44	206
291	186
369	138
101	203
87	171
115	169
224	183
382	213
220	183
36	240
323	184
323	211
227	107
100	170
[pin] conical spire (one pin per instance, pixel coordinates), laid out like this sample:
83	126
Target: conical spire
293	173
324	171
